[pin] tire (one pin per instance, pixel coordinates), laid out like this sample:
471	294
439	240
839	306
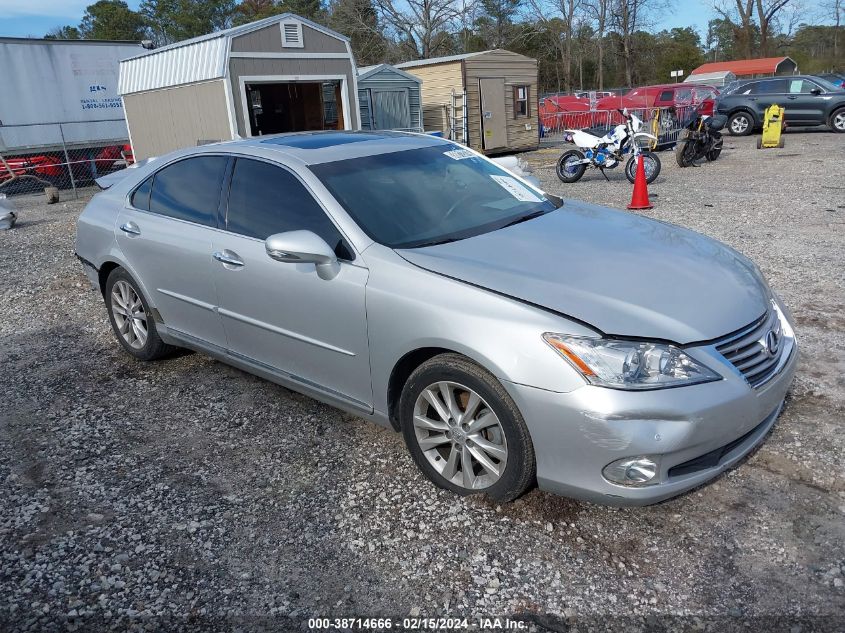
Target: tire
681	150
511	466
121	287
566	175
651	171
837	121
740	123
714	153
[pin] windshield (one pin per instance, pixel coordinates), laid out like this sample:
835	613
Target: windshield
428	196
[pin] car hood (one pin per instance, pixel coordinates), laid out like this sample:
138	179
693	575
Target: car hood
621	273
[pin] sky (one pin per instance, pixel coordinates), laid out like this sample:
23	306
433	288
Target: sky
33	18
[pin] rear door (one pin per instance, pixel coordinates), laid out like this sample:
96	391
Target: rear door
165	234
280	315
494	124
768	92
802	105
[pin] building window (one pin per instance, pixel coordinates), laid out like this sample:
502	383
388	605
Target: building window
520	101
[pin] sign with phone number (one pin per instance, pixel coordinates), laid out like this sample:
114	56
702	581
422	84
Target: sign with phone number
97	104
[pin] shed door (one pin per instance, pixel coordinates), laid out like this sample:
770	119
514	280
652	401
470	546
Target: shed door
391	109
494	124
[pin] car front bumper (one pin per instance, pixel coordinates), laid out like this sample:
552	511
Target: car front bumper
576	434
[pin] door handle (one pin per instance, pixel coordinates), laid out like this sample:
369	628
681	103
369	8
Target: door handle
130	228
792	97
228	258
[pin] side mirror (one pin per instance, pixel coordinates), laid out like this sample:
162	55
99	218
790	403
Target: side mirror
815	91
303	247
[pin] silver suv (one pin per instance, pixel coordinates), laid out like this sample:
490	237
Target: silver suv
510	337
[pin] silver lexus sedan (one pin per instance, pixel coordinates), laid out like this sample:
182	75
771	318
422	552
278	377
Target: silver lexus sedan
511	337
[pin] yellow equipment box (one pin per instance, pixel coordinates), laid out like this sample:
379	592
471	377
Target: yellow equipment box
773	125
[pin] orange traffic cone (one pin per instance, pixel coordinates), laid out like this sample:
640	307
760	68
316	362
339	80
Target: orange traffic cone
639	200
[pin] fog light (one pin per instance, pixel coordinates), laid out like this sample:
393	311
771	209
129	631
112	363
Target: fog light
632	471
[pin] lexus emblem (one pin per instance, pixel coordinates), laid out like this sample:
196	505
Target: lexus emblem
772	343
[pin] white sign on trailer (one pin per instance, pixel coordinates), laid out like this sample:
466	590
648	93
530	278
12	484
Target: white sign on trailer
49	82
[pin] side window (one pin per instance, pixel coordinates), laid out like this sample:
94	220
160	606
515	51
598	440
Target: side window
265	199
520	101
666	95
801	86
141	196
189	190
770	86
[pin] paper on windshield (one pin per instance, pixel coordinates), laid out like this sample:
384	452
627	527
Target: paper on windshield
517	189
459	154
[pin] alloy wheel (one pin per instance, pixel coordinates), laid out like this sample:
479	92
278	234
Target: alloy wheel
129	315
739	124
460	435
839	121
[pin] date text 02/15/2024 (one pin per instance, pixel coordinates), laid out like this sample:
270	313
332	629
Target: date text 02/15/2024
417	624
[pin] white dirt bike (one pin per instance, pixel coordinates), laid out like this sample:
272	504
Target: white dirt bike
609	151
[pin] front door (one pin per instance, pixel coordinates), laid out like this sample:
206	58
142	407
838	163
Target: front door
494	125
165	235
391	110
804	106
283	316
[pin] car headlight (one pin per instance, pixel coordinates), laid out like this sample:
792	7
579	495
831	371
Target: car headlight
630	364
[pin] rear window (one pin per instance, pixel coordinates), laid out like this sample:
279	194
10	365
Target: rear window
189	190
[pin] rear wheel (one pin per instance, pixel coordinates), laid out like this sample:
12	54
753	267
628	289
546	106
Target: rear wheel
713	154
740	124
464	431
131	318
651	165
569	167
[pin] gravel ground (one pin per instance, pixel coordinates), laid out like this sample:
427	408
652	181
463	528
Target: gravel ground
187	495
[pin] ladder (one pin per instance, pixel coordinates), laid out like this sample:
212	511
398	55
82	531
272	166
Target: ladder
458	128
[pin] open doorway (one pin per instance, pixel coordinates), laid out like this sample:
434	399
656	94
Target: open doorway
294	106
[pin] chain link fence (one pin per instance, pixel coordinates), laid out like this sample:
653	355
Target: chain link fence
36	156
665	123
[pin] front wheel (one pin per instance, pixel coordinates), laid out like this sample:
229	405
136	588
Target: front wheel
464	431
684	150
837	121
651	164
569	167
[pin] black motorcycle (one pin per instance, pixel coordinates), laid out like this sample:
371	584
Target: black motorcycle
700	139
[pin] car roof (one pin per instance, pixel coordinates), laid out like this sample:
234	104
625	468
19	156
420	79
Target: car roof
312	148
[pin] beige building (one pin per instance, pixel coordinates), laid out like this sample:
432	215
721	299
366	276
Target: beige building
281	74
487	100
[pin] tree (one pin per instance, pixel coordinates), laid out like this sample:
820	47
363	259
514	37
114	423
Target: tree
63	33
252	10
740	17
357	19
111	20
175	20
767	11
499	14
421	26
627	17
597	10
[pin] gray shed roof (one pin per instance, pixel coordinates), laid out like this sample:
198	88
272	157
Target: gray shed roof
197	59
366	71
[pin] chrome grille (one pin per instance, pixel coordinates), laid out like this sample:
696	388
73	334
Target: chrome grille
750	349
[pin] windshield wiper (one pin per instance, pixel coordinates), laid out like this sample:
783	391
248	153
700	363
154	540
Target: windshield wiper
526	217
